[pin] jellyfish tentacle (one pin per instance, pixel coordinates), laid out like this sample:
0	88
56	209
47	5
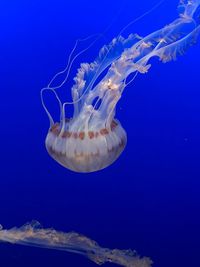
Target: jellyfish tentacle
62	123
141	16
51	120
65	69
134	77
71	60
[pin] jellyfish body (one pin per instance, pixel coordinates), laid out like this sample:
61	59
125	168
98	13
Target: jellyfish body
85	151
93	139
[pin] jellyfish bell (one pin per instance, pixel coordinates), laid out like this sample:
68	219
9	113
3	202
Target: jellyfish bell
85	151
93	138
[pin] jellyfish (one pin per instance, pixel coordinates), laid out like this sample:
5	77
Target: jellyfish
93	138
32	234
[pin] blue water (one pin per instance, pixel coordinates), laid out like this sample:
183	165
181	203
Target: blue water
149	199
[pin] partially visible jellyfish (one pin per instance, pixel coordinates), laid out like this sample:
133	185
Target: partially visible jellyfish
32	234
93	138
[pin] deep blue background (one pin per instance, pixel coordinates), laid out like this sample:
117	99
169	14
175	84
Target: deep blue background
149	199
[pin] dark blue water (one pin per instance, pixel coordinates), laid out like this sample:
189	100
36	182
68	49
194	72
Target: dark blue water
149	199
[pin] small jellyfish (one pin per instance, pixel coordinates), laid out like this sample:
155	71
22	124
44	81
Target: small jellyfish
93	138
